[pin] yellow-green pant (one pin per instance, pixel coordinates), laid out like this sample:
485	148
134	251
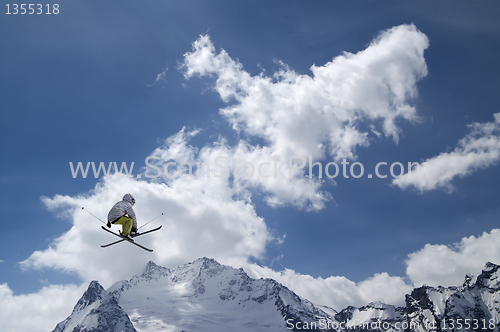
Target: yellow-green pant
126	223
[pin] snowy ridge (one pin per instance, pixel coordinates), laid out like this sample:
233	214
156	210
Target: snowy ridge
477	300
369	316
206	296
96	311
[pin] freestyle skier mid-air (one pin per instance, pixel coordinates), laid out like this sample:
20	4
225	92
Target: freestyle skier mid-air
123	214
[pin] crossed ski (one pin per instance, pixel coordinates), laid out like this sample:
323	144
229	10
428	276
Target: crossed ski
129	240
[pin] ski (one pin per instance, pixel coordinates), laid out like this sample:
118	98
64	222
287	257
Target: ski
132	235
128	240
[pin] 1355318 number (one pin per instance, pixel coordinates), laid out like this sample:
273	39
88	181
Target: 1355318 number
31	8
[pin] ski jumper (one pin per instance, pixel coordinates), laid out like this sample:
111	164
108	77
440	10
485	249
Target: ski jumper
123	214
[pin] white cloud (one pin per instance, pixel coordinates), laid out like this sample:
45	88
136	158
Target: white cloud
479	149
37	312
160	79
200	220
203	216
320	115
436	264
279	184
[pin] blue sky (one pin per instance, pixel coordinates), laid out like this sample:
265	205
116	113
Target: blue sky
110	82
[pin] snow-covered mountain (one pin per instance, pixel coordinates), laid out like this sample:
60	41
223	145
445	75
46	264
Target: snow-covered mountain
207	296
475	305
198	296
96	310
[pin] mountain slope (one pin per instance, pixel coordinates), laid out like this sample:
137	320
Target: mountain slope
199	296
96	311
207	296
475	304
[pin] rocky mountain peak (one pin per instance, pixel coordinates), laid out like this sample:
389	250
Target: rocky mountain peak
93	293
153	271
489	277
96	310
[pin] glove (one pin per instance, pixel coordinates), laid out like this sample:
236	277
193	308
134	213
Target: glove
134	230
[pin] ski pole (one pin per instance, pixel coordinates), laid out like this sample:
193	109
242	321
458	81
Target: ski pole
94	216
151	221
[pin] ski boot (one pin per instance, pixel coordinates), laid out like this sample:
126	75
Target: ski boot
126	236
